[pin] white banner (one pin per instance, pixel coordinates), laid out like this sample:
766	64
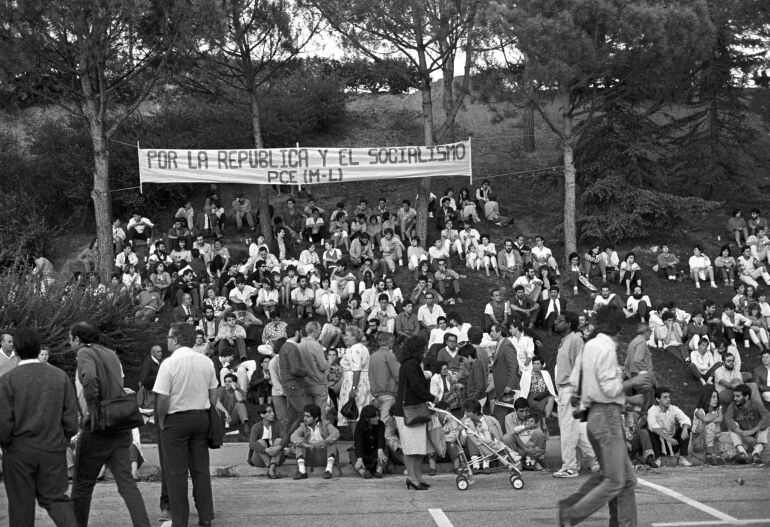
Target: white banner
303	166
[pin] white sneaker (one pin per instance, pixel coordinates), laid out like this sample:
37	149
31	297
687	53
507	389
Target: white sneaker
565	473
166	524
697	285
713	285
684	462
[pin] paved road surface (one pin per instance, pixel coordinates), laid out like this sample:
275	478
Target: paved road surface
491	502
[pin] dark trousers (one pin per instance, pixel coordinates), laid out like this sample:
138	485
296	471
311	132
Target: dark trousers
185	448
296	400
661	447
31	473
93	451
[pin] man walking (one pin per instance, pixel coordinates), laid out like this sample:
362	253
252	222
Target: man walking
504	367
99	377
186	388
573	432
603	397
38	416
293	377
383	374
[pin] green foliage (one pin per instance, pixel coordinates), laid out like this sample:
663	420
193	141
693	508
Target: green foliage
23	231
394	75
624	184
52	312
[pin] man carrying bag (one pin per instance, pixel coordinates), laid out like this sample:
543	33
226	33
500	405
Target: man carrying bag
99	380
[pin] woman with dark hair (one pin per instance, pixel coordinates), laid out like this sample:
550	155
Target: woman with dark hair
630	272
413	389
369	444
267	442
706	423
725	265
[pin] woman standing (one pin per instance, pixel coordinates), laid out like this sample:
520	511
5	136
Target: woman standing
413	389
355	371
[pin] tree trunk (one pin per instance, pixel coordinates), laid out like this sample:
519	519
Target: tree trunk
421	203
448	101
529	127
570	230
263	191
101	197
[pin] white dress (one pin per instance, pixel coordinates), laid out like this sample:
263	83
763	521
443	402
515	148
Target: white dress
355	358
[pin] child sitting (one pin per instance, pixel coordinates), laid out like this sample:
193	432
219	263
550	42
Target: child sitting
530	442
483	437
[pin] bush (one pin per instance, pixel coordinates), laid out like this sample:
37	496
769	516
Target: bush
625	185
53	311
23	231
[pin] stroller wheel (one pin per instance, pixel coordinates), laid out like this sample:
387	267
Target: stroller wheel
462	483
516	482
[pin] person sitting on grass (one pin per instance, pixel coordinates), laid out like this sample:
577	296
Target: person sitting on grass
231	335
707	423
369	444
315	442
231	404
703	363
759	243
735	325
638	305
630	272
725	265
748	421
302	298
266	442
750	269
530	442
447	277
593	263
605	298
667	263
736	227
701	268
574	273
669	428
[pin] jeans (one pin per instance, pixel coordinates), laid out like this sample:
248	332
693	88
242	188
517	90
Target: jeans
29	473
93	451
573	433
185	448
281	413
615	483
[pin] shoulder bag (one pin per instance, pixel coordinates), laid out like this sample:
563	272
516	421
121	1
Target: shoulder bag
414	414
120	412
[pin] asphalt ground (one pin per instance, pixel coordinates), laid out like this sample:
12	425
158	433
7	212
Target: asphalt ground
666	497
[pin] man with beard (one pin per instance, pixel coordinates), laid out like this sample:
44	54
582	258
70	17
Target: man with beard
748	422
509	261
605	298
523	308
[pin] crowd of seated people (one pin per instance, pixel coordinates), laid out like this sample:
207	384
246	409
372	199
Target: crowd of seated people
357	274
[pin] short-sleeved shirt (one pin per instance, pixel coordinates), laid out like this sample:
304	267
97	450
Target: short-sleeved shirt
186	377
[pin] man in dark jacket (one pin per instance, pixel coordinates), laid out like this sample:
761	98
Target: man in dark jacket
505	370
99	378
38	416
476	384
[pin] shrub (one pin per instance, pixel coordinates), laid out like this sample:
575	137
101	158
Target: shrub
53	311
23	231
624	184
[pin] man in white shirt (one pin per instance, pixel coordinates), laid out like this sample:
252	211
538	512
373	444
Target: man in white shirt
302	298
542	256
205	249
669	429
703	364
525	346
428	314
186	388
735	325
603	398
533	285
759	243
727	377
241	295
139	228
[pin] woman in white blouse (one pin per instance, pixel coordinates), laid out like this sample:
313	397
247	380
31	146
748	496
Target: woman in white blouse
355	371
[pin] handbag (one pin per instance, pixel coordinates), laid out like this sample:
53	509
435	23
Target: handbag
216	435
118	413
349	410
415	414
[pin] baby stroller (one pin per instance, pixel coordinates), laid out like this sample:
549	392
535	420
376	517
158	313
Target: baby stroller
503	456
